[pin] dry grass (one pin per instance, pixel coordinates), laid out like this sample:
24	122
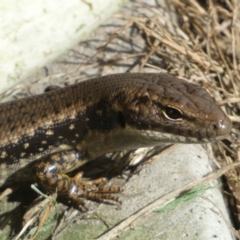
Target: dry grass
206	51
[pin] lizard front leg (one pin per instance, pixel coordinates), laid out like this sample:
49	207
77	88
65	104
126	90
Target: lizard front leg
50	174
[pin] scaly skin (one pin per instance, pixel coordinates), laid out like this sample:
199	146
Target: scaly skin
101	115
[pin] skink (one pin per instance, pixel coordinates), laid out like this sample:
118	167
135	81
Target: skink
45	136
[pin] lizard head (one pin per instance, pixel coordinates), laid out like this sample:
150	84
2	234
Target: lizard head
168	109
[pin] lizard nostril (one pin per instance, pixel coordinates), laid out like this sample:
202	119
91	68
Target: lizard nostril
215	127
222	127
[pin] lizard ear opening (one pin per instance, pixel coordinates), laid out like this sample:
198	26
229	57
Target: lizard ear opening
121	119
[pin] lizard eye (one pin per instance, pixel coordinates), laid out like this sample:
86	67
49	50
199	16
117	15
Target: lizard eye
172	113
